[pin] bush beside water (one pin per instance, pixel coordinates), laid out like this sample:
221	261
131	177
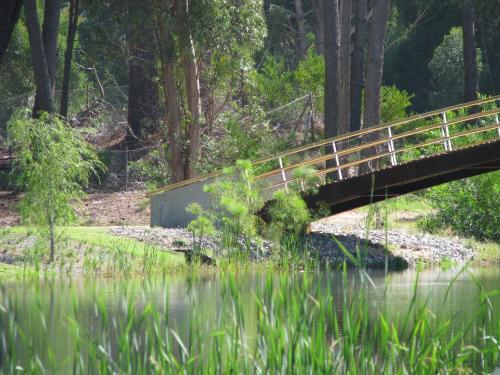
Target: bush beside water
470	207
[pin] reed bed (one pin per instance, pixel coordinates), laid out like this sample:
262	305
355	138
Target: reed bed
298	325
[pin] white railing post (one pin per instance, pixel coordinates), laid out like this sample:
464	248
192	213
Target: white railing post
394	161
337	161
498	123
283	174
445	132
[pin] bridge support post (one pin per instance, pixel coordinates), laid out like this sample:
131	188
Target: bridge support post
283	174
498	123
394	161
445	133
337	160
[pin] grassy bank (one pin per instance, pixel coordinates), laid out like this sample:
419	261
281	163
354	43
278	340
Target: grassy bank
87	250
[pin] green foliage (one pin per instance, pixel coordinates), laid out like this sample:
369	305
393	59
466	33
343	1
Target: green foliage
153	168
289	216
200	227
310	78
236	201
274	84
447	70
54	162
394	103
308	179
470	207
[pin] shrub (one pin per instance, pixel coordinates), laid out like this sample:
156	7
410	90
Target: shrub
200	227
289	215
235	202
54	162
470	207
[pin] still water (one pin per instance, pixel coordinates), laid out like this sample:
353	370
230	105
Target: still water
46	311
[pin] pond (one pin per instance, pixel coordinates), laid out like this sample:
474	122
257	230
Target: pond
48	323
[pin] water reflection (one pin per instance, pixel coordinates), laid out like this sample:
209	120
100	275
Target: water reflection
47	310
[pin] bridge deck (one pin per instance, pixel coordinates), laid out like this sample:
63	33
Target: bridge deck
405	178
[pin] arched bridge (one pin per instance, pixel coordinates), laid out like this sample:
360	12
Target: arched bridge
365	166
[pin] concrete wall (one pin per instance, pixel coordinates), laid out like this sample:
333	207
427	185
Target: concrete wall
168	209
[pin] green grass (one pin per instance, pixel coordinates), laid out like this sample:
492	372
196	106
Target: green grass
99	236
10	270
488	252
90	250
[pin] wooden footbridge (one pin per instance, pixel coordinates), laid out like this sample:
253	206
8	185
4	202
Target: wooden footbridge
365	166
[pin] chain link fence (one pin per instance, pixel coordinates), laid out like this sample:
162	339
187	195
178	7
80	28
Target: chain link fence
103	111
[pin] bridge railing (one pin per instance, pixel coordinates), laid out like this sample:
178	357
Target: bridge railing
383	146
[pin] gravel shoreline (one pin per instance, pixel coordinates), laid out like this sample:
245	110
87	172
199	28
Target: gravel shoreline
406	249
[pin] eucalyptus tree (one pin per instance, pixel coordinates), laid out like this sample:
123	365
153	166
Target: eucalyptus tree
10	11
117	40
205	63
43	74
358	63
332	71
471	80
375	62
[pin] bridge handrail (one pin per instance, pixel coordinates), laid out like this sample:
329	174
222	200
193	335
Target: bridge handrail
379	142
385	154
347	136
373	129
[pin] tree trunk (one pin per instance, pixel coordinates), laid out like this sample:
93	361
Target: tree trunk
73	12
192	81
173	120
319	26
143	97
332	55
50	29
358	64
194	107
375	63
10	11
470	55
166	44
42	78
301	28
345	66
374	71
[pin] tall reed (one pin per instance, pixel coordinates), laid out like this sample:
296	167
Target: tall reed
297	325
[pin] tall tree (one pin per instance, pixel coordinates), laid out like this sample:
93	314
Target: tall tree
165	30
39	62
10	11
73	12
470	56
192	81
301	30
50	29
345	66
375	62
319	26
143	98
358	63
332	71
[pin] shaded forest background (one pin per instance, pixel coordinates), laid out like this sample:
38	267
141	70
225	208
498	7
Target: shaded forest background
203	83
